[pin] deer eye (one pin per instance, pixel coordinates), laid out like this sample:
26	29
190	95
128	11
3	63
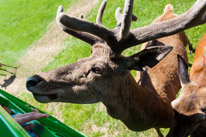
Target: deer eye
97	70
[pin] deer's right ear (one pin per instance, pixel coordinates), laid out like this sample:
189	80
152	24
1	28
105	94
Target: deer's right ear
148	57
182	71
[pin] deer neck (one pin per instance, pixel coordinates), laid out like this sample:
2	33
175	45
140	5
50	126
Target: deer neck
198	71
138	106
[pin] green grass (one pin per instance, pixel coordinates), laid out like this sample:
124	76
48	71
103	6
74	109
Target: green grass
92	120
22	22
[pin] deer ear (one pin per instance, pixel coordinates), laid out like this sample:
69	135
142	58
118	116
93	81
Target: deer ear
147	57
182	71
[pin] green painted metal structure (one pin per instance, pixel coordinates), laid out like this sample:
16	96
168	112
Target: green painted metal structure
45	127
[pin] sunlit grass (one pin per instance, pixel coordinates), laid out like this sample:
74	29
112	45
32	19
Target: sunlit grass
22	22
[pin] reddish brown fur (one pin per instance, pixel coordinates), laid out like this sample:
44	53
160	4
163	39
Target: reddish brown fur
198	80
198	69
200	48
167	68
191	102
197	75
167	87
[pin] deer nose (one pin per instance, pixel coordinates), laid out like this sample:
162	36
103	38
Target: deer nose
33	81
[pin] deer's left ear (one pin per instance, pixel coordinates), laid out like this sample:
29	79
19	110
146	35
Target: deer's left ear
182	71
148	57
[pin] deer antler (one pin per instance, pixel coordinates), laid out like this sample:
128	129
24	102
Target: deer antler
119	17
100	12
195	16
122	37
126	21
76	24
91	39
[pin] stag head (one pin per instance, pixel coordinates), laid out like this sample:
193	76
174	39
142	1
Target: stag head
190	106
101	76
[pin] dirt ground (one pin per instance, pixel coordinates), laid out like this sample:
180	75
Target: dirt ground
42	52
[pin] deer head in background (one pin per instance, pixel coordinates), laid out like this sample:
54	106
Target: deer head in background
190	106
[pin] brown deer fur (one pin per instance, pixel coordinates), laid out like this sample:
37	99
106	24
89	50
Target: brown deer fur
190	106
160	79
105	75
198	69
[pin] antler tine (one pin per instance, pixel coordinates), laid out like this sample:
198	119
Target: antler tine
75	24
91	39
134	17
100	12
86	37
119	16
126	21
196	15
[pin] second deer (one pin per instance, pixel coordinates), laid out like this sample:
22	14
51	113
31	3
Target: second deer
190	106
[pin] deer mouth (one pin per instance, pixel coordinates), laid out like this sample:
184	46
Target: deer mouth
45	98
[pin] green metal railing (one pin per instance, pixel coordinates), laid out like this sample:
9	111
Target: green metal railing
45	127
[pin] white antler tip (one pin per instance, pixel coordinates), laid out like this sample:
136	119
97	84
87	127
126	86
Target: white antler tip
118	10
59	14
118	13
60	9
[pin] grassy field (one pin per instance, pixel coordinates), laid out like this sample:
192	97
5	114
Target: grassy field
22	22
92	120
